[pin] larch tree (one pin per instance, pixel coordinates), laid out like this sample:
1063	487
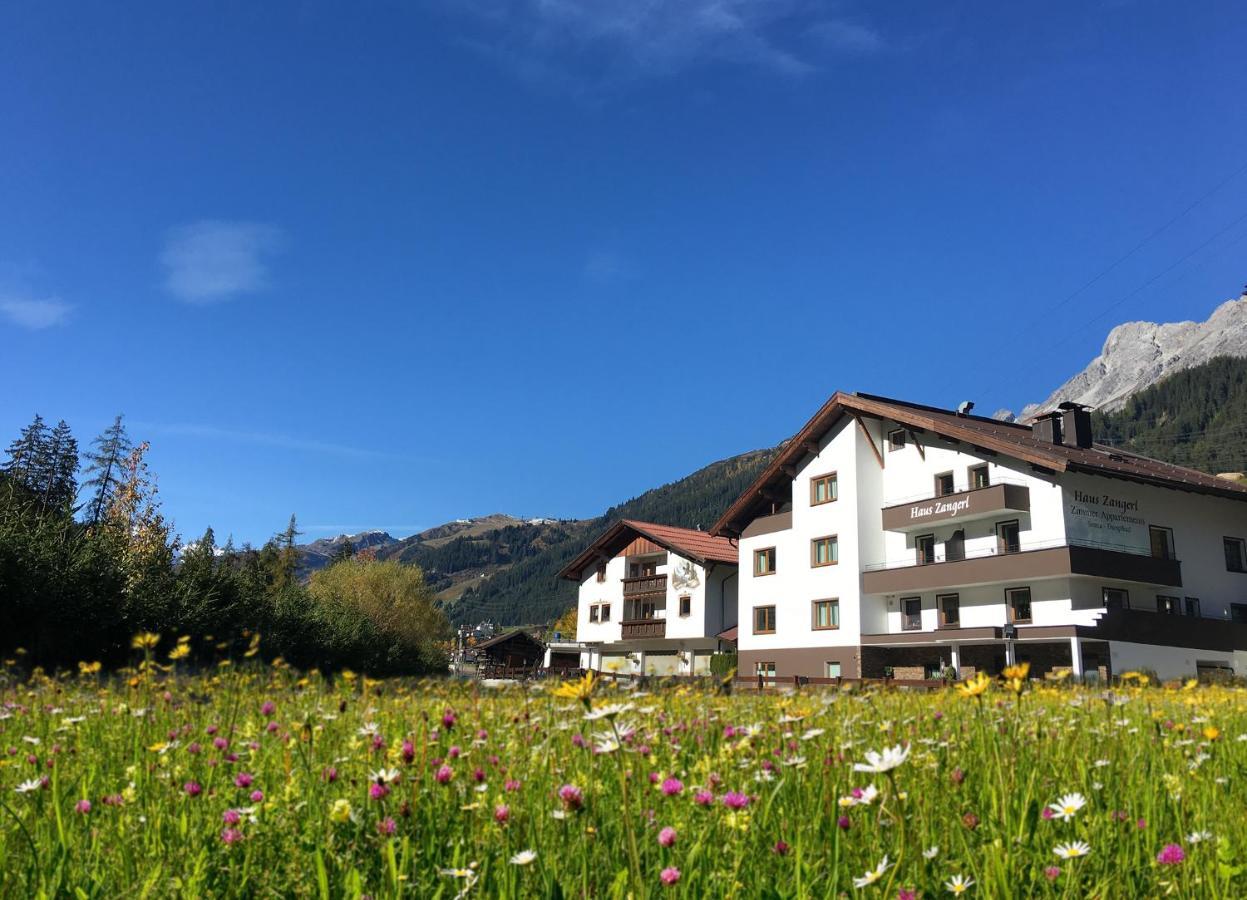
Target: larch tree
106	462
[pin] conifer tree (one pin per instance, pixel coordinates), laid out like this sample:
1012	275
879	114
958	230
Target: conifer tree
105	464
61	487
345	551
28	455
286	556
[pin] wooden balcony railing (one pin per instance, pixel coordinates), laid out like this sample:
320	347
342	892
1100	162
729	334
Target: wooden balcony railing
646	584
643	628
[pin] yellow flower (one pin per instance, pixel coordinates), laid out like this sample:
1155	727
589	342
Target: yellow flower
89	668
1191	684
974	686
340	811
1211	732
1017	672
144	641
181	651
254	647
580	690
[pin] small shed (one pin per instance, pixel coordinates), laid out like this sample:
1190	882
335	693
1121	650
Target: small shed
511	653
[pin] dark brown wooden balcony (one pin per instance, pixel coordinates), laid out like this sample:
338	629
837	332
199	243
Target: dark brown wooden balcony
1025	565
962	506
634	629
646	585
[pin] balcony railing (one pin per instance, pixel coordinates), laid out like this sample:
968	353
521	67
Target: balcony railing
633	629
1030	561
646	584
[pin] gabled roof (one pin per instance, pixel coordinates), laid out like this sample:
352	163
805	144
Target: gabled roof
506	636
1006	438
698	546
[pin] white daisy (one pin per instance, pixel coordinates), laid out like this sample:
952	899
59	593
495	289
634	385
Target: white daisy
958	884
1065	808
931	852
523	858
872	875
1196	836
27	786
609	711
884	761
1072	850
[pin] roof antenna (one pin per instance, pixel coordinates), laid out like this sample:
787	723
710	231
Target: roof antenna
963	408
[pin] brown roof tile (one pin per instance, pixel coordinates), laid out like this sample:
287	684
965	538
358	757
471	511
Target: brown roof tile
699	546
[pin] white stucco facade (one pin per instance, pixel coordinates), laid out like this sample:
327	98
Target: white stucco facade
941	542
650	610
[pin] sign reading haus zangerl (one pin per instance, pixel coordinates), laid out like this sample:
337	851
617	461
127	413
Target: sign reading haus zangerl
939	508
1104	518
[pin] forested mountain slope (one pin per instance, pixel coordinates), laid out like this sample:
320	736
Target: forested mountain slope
530	590
1196	417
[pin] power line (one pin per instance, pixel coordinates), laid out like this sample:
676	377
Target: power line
1073	333
1156	233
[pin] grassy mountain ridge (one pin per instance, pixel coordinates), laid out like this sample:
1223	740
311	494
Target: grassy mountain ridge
530	590
457	561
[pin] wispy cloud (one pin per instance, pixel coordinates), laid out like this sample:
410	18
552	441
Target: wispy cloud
620	40
262	438
604	266
848	37
28	312
210	261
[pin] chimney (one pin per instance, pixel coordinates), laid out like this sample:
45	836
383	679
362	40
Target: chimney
1075	425
1047	428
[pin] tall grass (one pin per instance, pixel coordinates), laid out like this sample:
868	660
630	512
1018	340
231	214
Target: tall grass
267	782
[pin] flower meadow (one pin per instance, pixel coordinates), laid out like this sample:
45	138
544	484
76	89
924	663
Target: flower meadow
255	780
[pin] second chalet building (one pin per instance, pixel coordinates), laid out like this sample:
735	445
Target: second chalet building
654	599
893	538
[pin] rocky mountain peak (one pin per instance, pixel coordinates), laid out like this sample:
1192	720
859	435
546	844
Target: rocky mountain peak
1136	355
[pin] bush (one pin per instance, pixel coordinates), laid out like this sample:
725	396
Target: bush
722	664
378	616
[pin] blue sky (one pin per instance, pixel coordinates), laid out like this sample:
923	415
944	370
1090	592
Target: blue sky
385	264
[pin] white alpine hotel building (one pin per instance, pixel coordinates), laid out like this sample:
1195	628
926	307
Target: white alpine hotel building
654	599
893	538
